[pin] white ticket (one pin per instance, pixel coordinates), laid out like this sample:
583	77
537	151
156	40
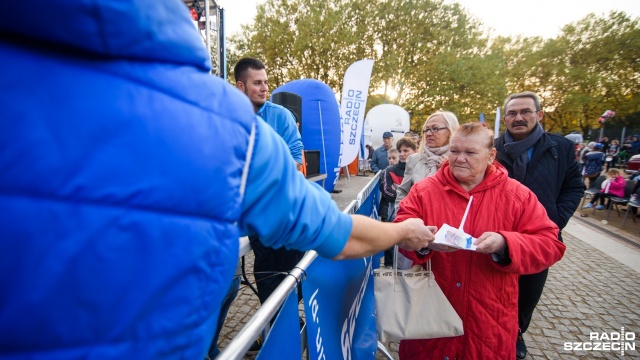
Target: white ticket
450	236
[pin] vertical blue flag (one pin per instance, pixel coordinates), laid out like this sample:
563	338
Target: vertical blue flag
482	118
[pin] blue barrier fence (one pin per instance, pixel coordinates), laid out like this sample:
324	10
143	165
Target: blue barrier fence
338	301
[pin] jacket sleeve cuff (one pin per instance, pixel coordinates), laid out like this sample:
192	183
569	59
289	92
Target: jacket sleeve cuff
503	257
337	237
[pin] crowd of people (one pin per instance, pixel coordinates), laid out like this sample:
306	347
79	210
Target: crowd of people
132	172
609	158
453	163
616	154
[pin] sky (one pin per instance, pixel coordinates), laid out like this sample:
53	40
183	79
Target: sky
506	17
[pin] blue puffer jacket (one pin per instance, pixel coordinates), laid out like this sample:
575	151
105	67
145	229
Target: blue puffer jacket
119	151
122	167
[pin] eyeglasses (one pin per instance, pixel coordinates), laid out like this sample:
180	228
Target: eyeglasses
525	113
433	130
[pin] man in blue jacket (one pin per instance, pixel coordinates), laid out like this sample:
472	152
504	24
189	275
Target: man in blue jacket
270	265
546	164
251	79
379	160
120	217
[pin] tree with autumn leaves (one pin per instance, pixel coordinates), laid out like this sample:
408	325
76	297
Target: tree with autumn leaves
430	55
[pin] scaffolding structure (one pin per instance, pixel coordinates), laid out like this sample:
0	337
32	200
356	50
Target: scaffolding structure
208	17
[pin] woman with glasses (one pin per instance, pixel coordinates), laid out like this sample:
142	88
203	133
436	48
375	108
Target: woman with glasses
434	148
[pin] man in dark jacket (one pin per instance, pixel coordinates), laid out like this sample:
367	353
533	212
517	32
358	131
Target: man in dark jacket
546	164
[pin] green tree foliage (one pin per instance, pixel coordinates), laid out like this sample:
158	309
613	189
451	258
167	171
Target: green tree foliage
428	55
434	56
431	55
592	66
315	39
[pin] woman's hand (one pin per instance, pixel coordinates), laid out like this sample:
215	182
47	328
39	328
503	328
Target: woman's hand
491	242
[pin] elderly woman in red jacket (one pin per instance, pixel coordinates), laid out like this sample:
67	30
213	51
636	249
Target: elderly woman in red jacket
514	236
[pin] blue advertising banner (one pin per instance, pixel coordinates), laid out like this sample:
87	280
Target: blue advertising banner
369	199
339	304
340	309
283	341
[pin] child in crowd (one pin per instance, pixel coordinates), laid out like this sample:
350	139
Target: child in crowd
612	154
613	186
389	181
593	162
392	156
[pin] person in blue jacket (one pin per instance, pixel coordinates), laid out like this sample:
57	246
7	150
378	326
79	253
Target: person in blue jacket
270	266
121	220
634	145
379	159
251	79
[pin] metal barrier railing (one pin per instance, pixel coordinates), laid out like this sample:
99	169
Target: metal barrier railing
243	340
241	343
245	246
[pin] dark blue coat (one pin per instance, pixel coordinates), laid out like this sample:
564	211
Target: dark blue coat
553	175
379	160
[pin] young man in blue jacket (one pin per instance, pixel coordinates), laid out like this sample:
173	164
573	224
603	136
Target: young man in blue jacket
120	219
270	265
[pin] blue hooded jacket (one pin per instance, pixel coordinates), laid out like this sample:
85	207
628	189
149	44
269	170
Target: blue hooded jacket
634	145
123	164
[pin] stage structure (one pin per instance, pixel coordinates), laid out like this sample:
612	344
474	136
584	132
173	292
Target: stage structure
208	18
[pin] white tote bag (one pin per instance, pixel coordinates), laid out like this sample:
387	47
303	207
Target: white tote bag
410	305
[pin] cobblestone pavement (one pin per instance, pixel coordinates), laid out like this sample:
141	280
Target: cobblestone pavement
594	288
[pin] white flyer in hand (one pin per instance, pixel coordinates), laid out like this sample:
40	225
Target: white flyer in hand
450	236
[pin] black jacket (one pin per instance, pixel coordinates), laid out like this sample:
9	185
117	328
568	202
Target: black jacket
552	174
391	176
386	184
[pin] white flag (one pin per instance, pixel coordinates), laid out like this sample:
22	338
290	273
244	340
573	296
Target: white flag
355	89
497	124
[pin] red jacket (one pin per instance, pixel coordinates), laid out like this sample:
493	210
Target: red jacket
482	291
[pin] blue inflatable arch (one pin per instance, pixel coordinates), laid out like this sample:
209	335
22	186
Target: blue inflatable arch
320	124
